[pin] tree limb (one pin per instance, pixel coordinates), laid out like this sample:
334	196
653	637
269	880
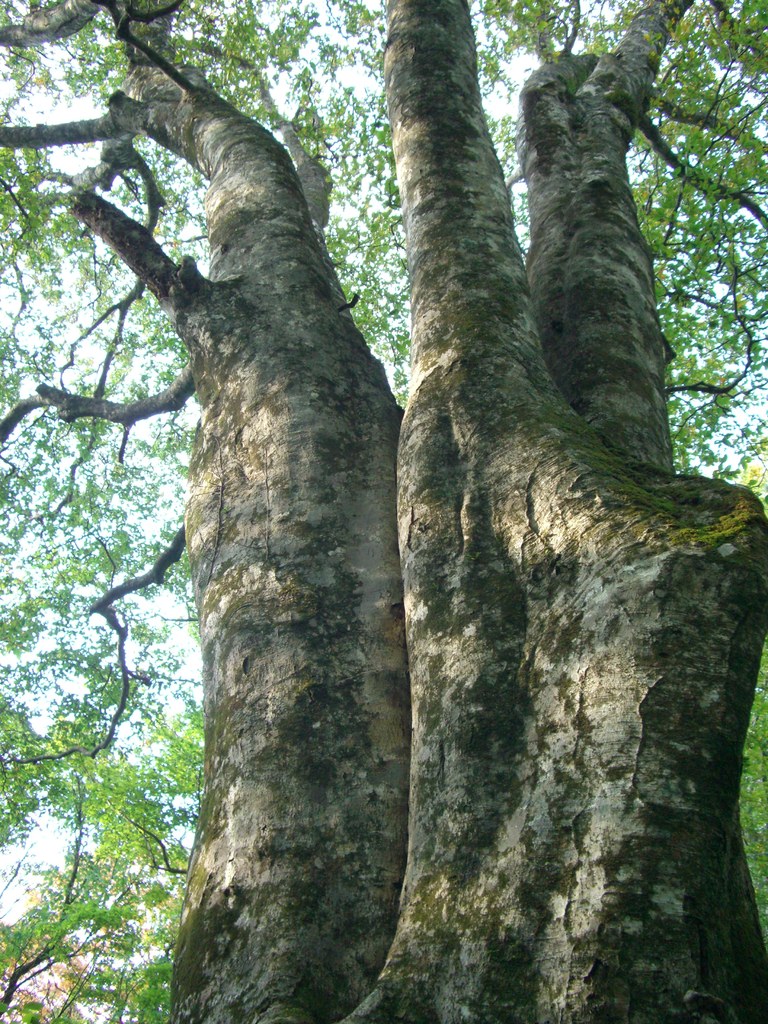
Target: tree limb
130	240
50	24
155	575
77	850
22	408
717	390
103	607
146	17
14	198
313	175
626	76
122	21
72	407
20	972
573	34
149	834
702	119
122	635
72	133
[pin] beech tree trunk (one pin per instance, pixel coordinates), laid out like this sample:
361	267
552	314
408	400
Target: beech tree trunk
583	627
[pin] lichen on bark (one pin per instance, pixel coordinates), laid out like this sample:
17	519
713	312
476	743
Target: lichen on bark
582	625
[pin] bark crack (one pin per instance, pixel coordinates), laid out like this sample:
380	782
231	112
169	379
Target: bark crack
219	513
530	510
268	515
641	740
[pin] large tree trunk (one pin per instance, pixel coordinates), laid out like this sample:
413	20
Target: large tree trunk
583	627
291	531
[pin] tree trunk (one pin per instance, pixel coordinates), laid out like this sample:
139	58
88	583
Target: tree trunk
291	531
583	627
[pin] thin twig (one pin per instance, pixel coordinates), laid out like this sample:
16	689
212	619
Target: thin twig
104	608
167	865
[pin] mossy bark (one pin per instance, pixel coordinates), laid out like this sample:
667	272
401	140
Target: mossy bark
583	627
297	867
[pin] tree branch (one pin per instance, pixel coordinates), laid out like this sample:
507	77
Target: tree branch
130	240
49	25
701	119
122	635
717	390
22	408
626	76
573	35
77	850
14	198
147	17
149	834
104	608
20	971
73	407
155	575
696	178
72	133
314	178
313	175
122	21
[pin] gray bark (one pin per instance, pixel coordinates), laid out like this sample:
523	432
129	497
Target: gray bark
50	24
589	266
583	626
291	534
40	136
583	634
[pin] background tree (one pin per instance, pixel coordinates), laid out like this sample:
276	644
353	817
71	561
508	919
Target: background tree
583	626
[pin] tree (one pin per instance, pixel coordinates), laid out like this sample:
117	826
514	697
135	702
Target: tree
565	650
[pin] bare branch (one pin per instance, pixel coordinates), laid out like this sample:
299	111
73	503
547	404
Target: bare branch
50	24
77	850
71	133
155	575
7	188
72	407
122	21
122	635
155	201
130	240
149	834
104	608
22	408
120	307
147	17
573	35
718	390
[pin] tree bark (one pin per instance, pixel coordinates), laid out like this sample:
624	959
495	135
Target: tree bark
296	873
583	628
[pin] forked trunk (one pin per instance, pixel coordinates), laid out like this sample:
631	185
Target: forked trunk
583	627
